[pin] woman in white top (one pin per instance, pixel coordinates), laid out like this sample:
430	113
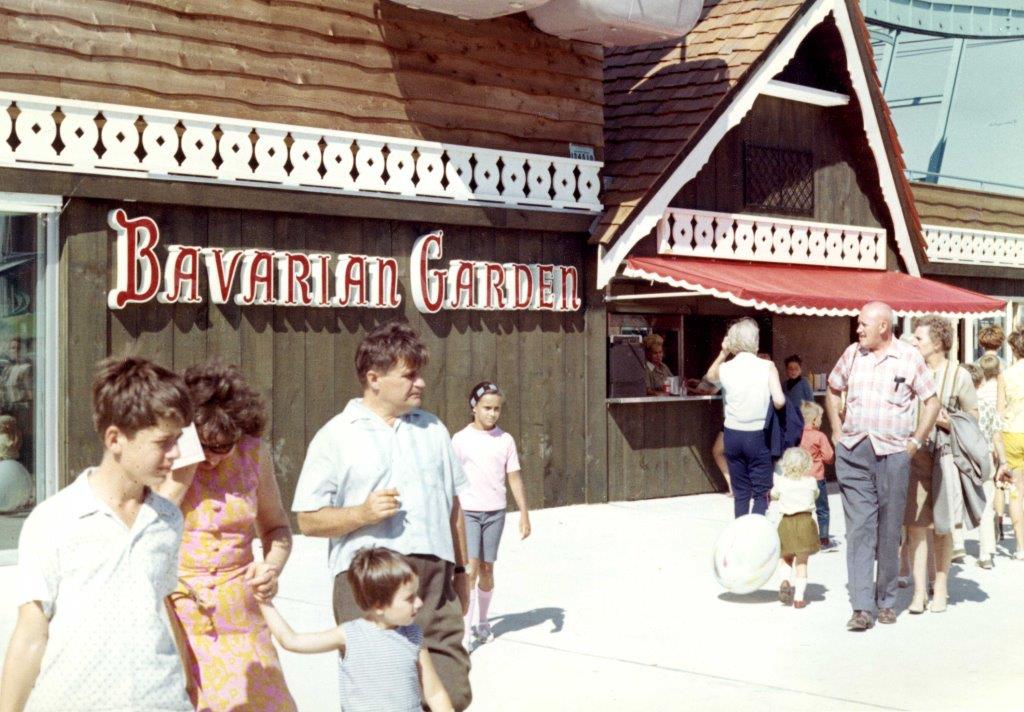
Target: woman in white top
749	384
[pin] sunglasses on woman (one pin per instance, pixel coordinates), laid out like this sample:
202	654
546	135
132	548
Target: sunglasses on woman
218	449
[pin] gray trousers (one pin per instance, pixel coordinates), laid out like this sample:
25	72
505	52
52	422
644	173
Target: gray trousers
874	490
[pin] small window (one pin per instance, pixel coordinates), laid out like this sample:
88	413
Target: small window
778	180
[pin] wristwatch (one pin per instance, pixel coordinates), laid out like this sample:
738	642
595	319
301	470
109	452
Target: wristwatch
915	441
459	569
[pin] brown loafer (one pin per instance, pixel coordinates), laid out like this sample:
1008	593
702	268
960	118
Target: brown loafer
860	621
887	616
786	593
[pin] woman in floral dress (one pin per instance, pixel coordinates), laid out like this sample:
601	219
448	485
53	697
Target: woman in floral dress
227	500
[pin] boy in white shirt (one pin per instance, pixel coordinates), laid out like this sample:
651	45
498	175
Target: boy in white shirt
96	560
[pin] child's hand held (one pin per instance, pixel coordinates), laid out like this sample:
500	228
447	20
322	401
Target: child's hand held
261	577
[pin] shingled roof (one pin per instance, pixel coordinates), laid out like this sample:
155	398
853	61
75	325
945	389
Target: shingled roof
660	98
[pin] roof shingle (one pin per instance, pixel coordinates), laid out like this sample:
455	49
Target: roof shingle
658	96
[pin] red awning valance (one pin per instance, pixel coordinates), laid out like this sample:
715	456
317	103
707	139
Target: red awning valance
819	291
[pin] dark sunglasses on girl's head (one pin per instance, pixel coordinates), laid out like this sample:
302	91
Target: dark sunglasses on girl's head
218	449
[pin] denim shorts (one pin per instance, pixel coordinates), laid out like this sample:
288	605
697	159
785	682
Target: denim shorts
483	534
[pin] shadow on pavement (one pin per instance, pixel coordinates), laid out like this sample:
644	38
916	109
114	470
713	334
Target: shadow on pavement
512	622
760	596
815	592
962	589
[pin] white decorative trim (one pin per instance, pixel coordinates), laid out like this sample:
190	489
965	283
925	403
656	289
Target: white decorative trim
150	143
700	233
779	308
804	95
958	245
646	219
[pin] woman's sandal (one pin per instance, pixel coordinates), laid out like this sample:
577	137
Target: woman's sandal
918	608
938	605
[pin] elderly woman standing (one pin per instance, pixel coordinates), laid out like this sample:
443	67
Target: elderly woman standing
227	500
655	371
934	338
750	385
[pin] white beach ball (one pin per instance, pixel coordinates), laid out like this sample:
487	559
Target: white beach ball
747	553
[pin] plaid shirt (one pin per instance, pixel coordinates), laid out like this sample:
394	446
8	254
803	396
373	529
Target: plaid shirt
881	394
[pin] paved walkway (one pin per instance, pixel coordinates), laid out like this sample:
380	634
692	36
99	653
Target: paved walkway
614	607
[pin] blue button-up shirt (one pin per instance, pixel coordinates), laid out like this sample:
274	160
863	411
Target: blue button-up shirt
356	453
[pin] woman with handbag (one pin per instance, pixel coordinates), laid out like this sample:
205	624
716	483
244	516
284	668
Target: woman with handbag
934	338
227	500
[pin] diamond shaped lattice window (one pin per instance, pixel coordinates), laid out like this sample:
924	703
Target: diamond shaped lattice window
778	180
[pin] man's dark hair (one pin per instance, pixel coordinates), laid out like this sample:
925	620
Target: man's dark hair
388	345
793	359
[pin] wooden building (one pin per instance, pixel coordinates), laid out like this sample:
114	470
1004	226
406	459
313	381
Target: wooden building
341	129
266	182
751	170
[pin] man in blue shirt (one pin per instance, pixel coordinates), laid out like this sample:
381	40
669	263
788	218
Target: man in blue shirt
383	473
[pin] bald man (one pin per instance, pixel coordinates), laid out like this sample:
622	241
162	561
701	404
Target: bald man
876	435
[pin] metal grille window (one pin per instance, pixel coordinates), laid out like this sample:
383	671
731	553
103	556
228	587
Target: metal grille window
778	180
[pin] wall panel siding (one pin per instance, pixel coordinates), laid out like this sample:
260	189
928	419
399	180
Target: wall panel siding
974	210
302	359
359	65
845	187
662	449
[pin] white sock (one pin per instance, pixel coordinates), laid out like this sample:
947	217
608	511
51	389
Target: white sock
786	570
468	618
483	602
800	587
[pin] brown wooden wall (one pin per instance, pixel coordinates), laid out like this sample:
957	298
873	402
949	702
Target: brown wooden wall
360	65
302	359
662	449
846	190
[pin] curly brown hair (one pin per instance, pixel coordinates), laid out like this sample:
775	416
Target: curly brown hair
992	337
1016	342
227	407
939	329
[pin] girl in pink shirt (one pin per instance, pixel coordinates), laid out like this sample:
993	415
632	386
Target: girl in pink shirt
488	455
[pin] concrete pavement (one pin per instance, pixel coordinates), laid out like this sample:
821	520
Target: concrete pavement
614	607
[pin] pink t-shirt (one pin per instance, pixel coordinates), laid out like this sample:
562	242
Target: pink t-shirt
486	457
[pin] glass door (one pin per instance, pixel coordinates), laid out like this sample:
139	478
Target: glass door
28	394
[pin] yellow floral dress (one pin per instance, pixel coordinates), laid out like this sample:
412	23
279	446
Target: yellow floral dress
234	665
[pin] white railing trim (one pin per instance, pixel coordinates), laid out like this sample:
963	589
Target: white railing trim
559	190
870	241
939	252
